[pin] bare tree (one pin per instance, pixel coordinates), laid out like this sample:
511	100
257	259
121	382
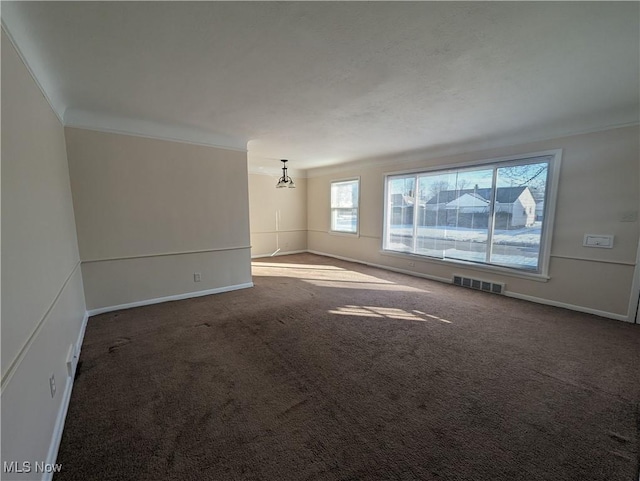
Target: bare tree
438	186
531	175
462	184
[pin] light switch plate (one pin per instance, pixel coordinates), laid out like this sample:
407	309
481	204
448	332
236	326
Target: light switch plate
598	240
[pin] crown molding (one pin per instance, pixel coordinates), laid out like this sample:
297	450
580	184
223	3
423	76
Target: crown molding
18	50
96	121
447	151
83	119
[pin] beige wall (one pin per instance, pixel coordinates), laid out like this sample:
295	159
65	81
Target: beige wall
598	184
278	216
151	213
42	299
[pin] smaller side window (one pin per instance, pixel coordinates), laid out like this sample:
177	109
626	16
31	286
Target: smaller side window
345	197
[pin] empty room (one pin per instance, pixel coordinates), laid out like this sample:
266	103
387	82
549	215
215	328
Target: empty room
320	241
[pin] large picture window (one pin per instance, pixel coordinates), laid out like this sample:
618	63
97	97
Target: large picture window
344	206
493	213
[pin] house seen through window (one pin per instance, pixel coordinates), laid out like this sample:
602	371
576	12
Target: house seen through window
344	206
489	214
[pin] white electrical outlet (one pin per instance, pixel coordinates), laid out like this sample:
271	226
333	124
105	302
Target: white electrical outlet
52	385
197	277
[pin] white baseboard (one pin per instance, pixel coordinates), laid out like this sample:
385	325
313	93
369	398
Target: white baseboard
538	300
279	253
572	307
177	297
58	428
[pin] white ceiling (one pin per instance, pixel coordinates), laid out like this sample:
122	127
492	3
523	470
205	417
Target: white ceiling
326	83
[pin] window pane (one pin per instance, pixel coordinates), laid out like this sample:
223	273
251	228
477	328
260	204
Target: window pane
344	220
519	212
453	215
400	202
490	214
344	194
344	206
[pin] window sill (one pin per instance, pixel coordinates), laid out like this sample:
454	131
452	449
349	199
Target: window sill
469	265
343	234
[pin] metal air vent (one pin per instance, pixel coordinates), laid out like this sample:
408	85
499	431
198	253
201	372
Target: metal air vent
479	284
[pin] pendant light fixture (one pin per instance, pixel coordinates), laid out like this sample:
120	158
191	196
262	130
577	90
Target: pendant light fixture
285	180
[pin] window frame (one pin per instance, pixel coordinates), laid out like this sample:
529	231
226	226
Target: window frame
343	232
542	274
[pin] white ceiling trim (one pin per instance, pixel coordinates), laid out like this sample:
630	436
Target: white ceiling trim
153	130
470	148
120	125
413	84
30	70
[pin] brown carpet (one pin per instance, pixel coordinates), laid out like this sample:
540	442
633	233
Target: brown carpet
328	370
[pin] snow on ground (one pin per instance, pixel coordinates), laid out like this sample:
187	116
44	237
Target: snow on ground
524	237
508	260
499	259
519	246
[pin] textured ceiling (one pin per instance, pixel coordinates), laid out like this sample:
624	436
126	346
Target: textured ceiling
325	83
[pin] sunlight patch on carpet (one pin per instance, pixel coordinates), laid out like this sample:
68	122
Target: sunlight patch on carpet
329	276
281	265
386	312
374	286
